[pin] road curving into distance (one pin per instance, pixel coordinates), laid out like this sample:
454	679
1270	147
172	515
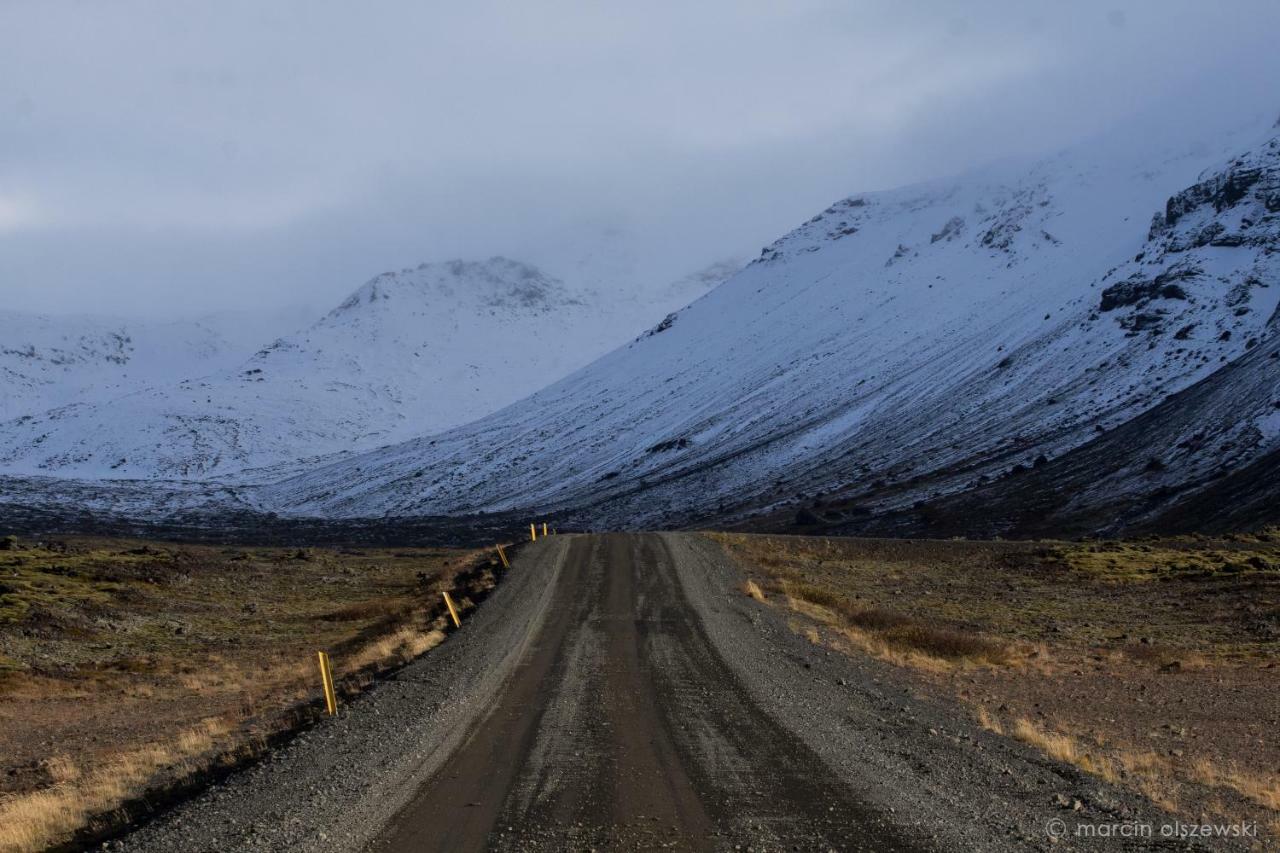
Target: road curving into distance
619	692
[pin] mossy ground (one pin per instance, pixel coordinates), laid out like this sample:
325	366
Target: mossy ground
1213	597
1158	660
113	648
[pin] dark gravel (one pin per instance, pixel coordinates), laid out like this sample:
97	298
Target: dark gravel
621	692
942	777
335	786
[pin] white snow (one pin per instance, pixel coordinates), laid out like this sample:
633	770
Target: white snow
409	353
949	330
48	361
940	334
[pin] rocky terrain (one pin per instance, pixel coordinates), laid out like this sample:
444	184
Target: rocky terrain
133	672
1148	663
621	691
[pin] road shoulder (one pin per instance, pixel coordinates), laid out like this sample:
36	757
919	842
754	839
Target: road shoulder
335	786
930	769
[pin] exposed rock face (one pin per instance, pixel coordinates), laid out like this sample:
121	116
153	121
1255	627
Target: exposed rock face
1137	291
667	322
1004	226
950	231
1249	186
1210	249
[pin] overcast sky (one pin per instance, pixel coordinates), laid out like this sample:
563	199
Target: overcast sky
173	157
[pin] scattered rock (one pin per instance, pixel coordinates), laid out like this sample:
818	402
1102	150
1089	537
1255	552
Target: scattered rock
950	231
1137	291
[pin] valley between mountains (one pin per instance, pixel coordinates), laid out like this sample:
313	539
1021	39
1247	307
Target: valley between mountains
1026	422
565	428
1082	344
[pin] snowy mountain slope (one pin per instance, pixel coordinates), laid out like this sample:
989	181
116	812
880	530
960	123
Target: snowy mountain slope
46	361
49	361
409	353
897	348
1204	459
1205	456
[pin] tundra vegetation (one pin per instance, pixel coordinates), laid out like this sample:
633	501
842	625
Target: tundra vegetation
131	669
1153	664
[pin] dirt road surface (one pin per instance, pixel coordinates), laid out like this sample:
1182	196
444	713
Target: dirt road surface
624	729
619	692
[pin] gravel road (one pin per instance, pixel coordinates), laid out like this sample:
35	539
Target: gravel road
619	692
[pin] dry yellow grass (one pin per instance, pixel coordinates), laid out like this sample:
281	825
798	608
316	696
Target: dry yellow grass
989	722
155	664
1079	628
1152	775
892	636
878	630
872	644
404	645
29	822
1160	778
1035	592
62	769
1263	790
1057	746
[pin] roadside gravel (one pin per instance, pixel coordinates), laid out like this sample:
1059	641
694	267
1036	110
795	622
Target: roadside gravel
654	657
936	774
334	787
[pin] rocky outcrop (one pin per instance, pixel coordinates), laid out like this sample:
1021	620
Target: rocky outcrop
1138	291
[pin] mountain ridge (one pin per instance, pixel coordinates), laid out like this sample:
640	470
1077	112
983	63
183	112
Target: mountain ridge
968	376
410	351
904	362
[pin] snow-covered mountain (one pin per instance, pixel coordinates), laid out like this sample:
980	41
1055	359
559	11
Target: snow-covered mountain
1087	342
49	361
409	353
902	348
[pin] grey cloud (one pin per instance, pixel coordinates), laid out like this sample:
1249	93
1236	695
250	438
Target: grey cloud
160	157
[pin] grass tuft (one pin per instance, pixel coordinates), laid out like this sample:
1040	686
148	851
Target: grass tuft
948	644
988	722
28	822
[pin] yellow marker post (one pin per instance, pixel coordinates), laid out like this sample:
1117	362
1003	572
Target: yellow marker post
533	532
326	679
453	611
544	528
502	555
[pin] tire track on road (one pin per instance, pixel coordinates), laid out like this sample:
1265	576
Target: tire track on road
623	728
